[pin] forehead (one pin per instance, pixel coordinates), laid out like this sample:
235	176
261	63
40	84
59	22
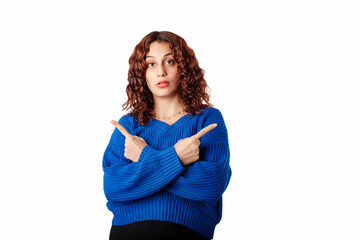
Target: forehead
159	49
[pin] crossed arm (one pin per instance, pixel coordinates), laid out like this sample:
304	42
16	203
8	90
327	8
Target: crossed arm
204	179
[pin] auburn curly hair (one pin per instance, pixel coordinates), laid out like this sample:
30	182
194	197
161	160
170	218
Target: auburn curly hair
192	89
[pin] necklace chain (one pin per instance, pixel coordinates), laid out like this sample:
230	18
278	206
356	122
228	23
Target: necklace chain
171	116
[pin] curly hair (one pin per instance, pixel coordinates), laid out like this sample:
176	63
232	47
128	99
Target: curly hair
192	89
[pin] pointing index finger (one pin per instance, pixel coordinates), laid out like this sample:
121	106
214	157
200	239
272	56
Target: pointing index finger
121	128
205	130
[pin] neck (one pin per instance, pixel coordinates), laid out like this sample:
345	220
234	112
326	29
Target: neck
164	107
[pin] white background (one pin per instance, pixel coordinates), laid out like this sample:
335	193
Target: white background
284	74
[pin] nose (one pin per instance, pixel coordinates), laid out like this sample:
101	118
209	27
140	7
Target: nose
161	72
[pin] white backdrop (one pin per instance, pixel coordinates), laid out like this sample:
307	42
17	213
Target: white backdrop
284	74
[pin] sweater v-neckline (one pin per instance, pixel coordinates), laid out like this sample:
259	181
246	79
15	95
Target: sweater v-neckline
158	124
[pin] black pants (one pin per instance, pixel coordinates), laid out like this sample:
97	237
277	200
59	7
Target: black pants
159	230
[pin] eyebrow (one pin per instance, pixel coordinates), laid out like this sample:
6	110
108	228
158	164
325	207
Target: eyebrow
154	57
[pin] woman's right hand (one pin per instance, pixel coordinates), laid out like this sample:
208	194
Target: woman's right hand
133	144
187	149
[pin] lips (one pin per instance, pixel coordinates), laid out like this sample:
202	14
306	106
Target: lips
162	82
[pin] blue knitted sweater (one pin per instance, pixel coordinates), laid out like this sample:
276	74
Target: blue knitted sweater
158	187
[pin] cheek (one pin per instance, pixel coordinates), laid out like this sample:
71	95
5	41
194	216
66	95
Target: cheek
176	76
147	78
147	82
173	72
148	75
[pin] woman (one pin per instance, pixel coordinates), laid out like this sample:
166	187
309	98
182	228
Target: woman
167	163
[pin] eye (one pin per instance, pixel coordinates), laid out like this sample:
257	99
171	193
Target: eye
150	64
170	62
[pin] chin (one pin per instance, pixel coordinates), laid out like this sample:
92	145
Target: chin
167	94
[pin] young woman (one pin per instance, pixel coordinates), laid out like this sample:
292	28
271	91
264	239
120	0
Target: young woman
167	163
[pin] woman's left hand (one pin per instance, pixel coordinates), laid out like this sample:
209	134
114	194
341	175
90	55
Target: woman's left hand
133	144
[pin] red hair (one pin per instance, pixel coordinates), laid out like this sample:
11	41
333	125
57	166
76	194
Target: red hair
192	88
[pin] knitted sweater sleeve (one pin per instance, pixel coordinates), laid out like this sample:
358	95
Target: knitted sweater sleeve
125	180
207	178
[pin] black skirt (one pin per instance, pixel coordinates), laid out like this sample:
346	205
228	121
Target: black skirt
147	230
